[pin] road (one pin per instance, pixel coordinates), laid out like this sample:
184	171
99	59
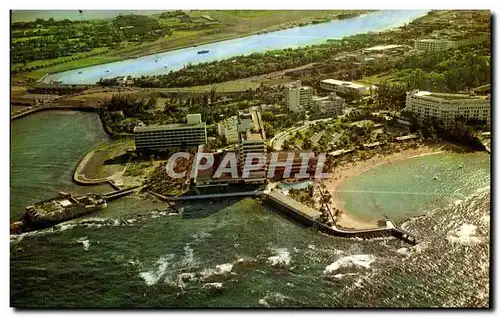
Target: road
277	141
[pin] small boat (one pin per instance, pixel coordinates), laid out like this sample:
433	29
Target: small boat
203	51
156	61
79	72
107	70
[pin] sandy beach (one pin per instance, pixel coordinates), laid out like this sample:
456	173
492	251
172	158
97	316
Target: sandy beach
344	172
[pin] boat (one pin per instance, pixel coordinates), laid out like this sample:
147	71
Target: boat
203	51
107	70
50	212
79	72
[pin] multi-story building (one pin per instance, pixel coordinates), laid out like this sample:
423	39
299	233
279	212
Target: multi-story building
251	139
433	44
343	87
229	129
329	105
447	107
298	97
162	138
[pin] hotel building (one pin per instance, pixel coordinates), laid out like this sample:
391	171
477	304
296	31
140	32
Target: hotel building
329	105
447	107
251	139
229	129
298	97
162	138
433	45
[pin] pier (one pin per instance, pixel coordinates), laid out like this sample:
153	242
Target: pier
311	217
222	195
119	193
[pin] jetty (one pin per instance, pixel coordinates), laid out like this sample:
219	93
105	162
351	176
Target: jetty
310	217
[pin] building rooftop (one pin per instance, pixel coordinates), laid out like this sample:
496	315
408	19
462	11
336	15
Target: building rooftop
382	47
446	96
433	40
163	127
342	83
257	132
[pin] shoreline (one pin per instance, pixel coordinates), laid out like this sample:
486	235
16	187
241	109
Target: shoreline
347	219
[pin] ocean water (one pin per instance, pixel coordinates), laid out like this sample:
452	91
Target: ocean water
238	253
45	150
288	38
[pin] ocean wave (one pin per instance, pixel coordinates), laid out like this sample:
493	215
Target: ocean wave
220	269
275	298
465	234
154	275
281	257
357	260
85	242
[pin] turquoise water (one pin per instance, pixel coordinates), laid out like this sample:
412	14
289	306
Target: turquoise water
133	255
293	37
407	188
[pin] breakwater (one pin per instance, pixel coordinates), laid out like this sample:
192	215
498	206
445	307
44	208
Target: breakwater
311	218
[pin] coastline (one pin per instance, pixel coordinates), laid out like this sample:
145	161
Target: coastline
344	172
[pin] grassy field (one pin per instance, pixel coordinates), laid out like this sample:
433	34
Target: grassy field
234	23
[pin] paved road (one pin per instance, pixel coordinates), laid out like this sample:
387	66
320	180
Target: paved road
277	141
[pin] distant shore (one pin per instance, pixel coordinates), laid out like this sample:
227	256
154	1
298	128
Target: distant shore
199	41
342	173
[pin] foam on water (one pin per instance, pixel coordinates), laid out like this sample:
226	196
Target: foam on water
152	276
464	234
281	257
220	269
85	242
357	260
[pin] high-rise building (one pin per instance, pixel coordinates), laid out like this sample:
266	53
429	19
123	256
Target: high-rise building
162	138
251	139
298	97
229	129
426	104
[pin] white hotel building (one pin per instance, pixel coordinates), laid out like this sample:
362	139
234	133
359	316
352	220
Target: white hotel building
425	104
433	45
251	139
298	97
162	138
229	129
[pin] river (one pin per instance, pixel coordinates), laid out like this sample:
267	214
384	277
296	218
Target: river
289	38
237	253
